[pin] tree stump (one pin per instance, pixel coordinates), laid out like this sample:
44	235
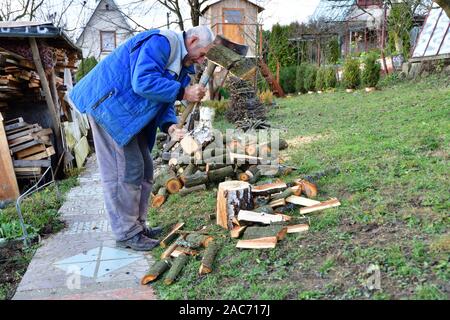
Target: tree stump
232	197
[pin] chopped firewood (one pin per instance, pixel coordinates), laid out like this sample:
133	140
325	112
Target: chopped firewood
159	199
285	217
183	250
156	270
171	248
321	206
198	178
297	228
264	209
278	203
208	258
168	179
268	189
189	145
251	150
296	191
301	201
243	176
197	240
220	174
287	208
176	268
188	171
277	231
237	231
308	188
263	243
283	195
258	217
236	221
232	196
172	235
185	191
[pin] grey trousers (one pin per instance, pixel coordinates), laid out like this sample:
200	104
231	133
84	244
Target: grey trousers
127	179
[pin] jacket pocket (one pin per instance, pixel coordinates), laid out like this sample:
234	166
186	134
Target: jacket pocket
103	99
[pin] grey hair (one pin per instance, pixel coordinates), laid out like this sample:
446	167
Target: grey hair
204	34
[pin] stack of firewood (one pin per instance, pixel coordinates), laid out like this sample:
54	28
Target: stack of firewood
30	146
205	159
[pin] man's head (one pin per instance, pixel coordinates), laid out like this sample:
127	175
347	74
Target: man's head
198	41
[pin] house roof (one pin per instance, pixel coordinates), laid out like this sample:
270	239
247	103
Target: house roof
333	11
32	29
214	2
434	39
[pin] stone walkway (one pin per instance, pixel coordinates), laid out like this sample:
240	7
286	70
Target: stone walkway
81	262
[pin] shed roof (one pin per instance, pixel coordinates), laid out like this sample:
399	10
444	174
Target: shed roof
214	2
333	11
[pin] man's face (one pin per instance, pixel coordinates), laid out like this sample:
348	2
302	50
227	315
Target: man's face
196	53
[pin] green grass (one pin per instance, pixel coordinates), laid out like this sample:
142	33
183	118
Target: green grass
392	148
40	212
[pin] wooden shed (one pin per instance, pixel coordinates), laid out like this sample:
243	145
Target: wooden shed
237	20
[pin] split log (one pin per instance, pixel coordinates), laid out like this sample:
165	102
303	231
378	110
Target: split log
268	189
301	201
157	269
277	231
264	209
220	174
196	240
232	196
237	231
186	191
208	258
297	191
298	228
261	201
308	188
182	250
277	203
287	208
176	268
172	235
283	195
196	179
263	243
159	199
322	206
264	218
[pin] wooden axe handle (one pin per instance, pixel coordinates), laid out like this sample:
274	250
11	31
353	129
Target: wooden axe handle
203	82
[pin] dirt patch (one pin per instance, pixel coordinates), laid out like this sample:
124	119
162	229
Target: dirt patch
301	140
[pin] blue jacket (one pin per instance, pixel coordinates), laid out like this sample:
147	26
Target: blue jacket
135	87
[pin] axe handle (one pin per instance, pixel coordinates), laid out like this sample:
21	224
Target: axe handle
203	82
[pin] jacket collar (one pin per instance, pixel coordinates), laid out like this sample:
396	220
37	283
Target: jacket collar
184	51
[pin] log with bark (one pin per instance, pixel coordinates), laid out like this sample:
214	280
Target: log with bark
186	191
232	196
208	258
220	175
308	188
172	235
177	265
197	179
268	189
159	199
277	231
156	270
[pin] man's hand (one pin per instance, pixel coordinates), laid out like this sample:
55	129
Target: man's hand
175	133
194	93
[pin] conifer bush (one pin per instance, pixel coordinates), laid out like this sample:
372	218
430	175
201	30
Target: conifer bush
371	72
300	79
310	78
330	78
352	73
320	79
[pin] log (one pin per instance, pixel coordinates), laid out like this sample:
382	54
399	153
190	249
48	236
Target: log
186	191
297	191
171	248
298	228
168	179
242	176
237	231
263	243
182	250
189	145
176	268
322	206
285	217
156	270
160	198
172	235
208	258
308	188
287	208
219	175
188	171
277	231
264	209
283	195
268	189
197	240
301	201
277	203
251	150
261	201
196	179
232	196
264	218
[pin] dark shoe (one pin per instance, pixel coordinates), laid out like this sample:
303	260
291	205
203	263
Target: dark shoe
152	232
138	243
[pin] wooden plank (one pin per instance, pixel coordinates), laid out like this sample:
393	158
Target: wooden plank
9	189
263	243
31	163
298	228
15	126
27	170
25	146
42	155
24	154
172	235
265	218
35	128
322	206
15	142
21	129
302	201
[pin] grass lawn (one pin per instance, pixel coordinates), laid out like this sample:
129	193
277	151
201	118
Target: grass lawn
392	148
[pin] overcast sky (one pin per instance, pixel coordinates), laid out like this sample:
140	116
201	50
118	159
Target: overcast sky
287	11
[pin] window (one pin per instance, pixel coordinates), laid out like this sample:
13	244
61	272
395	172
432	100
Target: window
234	16
107	41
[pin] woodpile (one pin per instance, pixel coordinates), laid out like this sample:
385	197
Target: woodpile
205	158
30	146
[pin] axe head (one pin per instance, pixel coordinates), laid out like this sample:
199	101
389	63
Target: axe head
231	56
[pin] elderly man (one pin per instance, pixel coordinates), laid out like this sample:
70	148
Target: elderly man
127	96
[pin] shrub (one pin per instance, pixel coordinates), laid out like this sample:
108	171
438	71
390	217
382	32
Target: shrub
333	50
300	79
85	67
288	78
219	106
330	78
266	97
310	78
371	72
320	79
352	74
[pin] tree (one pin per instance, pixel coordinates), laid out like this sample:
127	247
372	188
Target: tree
280	49
16	10
174	6
444	4
177	6
196	10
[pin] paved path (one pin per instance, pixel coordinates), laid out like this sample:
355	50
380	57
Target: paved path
81	262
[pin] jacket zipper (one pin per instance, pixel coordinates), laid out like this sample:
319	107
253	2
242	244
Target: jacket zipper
99	102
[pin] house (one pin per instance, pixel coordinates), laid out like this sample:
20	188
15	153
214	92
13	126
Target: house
236	20
106	29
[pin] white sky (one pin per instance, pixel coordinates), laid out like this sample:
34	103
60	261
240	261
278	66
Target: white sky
287	11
